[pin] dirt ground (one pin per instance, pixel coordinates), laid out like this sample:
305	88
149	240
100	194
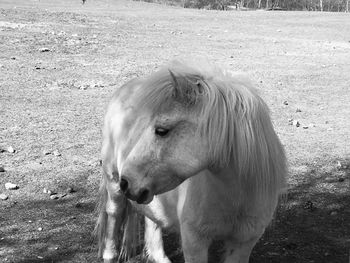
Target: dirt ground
60	62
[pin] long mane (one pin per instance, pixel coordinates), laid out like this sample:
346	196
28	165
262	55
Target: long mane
234	119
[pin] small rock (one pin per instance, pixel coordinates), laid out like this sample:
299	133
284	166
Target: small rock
46	152
54	197
296	123
40	229
98	85
70	190
56	153
62	195
290	121
50	192
44	49
10	149
285	102
305	127
330	129
84	87
53	248
40	257
2	169
339	165
280	83
334	213
309	206
341	179
298	110
11	186
92	163
3	197
291	246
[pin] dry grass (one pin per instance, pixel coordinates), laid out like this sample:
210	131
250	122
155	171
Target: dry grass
55	100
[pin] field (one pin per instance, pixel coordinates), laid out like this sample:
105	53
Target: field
61	60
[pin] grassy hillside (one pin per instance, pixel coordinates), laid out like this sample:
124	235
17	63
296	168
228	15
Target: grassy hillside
60	62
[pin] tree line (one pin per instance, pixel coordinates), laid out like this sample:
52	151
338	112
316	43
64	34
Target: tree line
305	5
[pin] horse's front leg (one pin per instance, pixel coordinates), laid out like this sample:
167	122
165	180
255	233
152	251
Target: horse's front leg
154	243
239	248
115	210
195	246
239	252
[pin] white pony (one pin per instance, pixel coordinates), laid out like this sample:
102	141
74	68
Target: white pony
194	150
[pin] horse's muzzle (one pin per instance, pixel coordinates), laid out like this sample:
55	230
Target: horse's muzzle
142	196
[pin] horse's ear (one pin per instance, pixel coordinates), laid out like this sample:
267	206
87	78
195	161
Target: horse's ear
176	84
200	85
187	87
173	77
199	82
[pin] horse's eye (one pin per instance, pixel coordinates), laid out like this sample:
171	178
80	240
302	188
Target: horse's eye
161	132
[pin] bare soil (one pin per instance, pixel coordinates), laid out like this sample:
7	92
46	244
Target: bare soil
60	62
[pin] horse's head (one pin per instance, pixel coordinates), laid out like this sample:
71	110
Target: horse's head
163	145
180	121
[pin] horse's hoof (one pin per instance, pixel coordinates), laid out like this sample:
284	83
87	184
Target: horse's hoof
110	261
163	260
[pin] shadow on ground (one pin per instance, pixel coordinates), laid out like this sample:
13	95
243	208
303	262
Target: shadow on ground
311	225
49	230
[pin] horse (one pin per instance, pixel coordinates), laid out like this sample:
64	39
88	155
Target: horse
192	148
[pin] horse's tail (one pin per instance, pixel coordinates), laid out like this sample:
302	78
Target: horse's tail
127	237
131	237
101	223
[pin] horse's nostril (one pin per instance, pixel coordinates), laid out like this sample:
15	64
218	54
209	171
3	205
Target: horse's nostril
143	196
124	185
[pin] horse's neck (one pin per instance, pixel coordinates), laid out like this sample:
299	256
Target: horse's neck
218	185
